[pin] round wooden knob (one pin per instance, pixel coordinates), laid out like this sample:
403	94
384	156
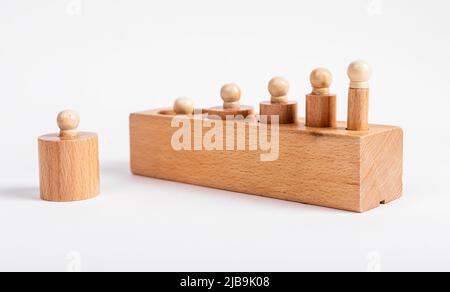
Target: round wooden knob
184	106
231	94
321	79
68	122
279	89
359	73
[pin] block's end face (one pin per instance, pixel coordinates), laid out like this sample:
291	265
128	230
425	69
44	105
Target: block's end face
381	168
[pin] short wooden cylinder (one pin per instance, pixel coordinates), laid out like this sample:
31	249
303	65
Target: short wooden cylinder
287	112
358	109
69	167
321	111
223	113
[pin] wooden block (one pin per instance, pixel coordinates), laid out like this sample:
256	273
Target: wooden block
321	111
287	112
69	163
336	168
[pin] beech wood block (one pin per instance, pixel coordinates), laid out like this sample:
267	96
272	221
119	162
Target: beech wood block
223	113
336	168
321	111
358	109
287	112
69	167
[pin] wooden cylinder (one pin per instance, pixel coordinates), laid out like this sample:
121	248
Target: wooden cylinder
287	112
358	109
223	113
69	167
321	111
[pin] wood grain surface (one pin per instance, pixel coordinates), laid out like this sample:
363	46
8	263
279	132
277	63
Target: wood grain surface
350	170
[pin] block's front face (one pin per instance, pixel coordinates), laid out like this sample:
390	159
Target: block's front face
314	167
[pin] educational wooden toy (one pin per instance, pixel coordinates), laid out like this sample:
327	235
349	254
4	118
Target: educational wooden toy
69	162
350	166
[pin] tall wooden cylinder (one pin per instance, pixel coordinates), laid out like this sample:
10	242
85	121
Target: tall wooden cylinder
321	111
358	109
69	167
359	73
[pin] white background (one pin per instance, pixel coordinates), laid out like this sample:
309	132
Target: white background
108	58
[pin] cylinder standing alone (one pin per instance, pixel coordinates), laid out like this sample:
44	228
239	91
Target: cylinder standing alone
69	162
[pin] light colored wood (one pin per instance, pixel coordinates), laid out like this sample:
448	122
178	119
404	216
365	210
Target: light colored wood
183	106
279	90
321	79
336	168
321	111
231	94
69	167
358	110
68	122
287	112
279	105
381	168
320	104
359	73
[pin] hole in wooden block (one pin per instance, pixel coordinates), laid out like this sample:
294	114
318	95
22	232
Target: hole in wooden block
220	113
383	203
167	113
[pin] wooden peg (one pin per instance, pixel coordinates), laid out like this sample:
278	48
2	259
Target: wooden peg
183	106
359	73
320	104
279	90
69	162
68	122
279	104
231	96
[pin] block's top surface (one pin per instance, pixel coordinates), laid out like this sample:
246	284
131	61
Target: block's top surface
167	113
